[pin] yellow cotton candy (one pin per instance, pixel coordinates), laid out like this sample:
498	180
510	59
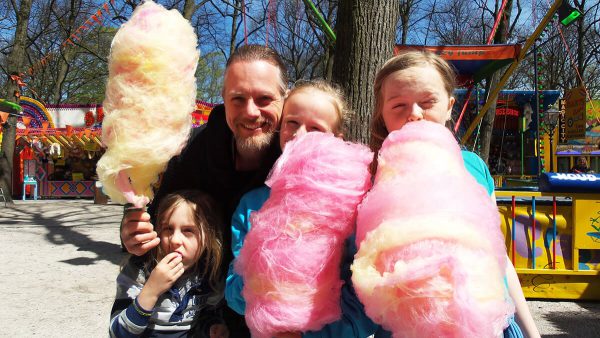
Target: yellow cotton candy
150	94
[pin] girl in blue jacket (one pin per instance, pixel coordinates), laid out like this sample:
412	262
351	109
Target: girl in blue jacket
310	106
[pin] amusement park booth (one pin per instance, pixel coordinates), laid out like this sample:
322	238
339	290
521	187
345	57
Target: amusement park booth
513	150
57	147
552	230
551	224
586	144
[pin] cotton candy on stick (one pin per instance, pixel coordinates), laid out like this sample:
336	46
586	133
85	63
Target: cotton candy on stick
150	94
290	261
431	257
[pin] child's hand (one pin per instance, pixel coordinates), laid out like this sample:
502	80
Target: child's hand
219	331
164	275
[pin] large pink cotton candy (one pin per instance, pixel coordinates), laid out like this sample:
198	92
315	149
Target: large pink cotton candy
431	256
150	94
290	261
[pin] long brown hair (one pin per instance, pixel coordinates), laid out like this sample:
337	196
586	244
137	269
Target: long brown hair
207	219
400	62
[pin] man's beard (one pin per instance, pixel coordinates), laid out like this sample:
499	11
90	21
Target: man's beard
255	145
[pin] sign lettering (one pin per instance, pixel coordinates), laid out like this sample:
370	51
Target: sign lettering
575	113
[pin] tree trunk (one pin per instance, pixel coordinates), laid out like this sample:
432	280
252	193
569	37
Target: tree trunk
487	123
405	8
234	27
63	61
189	7
66	56
330	49
328	67
365	40
14	65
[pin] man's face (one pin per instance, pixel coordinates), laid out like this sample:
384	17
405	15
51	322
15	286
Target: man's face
253	104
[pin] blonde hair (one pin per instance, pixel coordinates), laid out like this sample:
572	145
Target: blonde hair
398	63
335	94
207	218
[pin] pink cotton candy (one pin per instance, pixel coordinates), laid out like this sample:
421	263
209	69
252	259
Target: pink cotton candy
150	94
290	261
431	256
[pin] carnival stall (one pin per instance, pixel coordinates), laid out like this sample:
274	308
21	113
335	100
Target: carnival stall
57	147
578	133
513	150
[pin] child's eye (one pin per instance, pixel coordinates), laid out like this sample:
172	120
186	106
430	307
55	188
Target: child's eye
291	123
316	128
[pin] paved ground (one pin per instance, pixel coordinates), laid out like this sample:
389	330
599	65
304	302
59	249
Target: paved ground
60	258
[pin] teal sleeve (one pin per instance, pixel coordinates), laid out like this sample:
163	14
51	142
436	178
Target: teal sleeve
240	225
233	291
354	321
479	170
477	167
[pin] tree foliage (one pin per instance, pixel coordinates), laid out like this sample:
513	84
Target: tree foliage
77	73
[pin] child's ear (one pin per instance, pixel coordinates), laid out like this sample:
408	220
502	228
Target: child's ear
450	105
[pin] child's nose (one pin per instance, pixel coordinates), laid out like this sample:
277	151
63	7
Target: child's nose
176	239
300	131
416	113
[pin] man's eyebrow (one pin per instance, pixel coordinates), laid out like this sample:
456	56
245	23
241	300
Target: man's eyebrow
396	96
233	92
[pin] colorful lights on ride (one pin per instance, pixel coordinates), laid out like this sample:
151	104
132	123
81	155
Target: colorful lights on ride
539	64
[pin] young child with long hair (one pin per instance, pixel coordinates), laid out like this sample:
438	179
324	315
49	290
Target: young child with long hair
416	86
311	106
179	284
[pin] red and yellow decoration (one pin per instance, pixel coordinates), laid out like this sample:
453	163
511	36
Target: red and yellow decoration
89	118
99	114
200	116
94	19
